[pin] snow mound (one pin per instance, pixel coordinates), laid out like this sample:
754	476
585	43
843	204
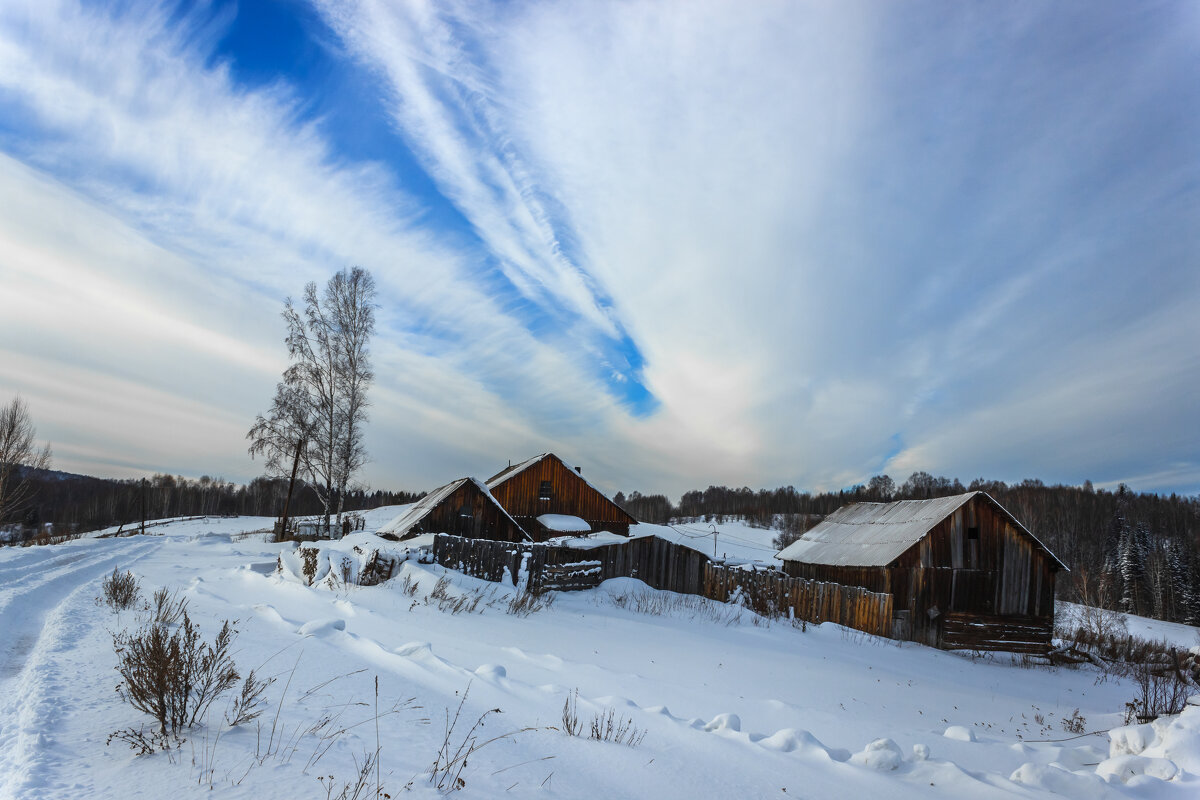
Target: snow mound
1056	780
959	733
724	722
322	627
883	755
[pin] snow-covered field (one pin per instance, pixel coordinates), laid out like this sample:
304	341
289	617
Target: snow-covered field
731	706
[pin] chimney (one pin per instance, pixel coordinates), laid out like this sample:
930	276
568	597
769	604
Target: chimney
579	470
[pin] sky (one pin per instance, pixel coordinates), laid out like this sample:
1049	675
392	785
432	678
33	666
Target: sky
676	243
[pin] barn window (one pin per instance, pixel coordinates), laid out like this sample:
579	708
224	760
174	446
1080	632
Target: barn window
973	533
465	511
544	491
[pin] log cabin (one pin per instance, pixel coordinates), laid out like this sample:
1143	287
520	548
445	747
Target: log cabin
463	507
545	487
963	572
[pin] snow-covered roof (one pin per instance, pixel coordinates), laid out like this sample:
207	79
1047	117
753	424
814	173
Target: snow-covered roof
513	469
405	522
597	539
876	534
564	523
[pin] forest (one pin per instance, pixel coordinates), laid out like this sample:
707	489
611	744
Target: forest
75	503
1127	551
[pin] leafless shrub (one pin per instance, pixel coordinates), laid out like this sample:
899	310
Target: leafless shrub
1076	723
167	607
174	677
143	743
121	590
570	715
408	587
251	703
308	556
608	727
1160	692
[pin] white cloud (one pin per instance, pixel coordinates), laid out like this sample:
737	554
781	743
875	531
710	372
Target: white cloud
828	228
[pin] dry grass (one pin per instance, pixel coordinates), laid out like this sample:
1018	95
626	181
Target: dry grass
120	590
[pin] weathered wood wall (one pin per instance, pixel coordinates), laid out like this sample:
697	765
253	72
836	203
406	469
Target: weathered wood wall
999	580
671	567
570	494
467	511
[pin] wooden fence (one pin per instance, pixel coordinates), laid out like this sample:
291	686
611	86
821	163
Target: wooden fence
670	567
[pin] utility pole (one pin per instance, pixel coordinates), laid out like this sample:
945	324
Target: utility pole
714	527
143	530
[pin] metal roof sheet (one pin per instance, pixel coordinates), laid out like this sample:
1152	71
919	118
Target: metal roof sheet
876	534
871	534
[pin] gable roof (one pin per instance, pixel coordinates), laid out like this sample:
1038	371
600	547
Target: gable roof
400	525
513	470
876	534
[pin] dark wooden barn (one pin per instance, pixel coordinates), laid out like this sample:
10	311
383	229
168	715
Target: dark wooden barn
463	508
962	571
544	485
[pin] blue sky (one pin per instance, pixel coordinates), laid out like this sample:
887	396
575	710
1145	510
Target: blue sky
678	243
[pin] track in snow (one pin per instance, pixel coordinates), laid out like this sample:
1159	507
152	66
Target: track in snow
43	594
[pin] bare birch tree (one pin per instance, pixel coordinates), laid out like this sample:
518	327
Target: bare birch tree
325	386
281	437
351	294
19	453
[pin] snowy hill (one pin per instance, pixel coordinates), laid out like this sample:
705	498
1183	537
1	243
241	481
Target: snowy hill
731	705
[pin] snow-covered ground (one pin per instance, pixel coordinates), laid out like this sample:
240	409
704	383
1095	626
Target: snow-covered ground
736	539
731	705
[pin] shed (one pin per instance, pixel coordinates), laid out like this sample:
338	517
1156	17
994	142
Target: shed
545	485
963	572
463	507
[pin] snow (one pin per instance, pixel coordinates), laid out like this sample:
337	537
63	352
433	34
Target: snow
597	539
564	523
1175	634
731	704
876	534
736	540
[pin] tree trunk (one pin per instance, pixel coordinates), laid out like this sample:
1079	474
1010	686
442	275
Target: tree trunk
287	503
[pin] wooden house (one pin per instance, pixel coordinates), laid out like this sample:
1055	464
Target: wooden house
962	571
464	508
545	487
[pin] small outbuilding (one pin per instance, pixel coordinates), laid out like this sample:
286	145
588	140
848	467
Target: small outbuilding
464	508
545	487
963	572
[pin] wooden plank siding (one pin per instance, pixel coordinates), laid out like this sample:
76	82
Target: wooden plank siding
670	567
982	591
569	494
467	511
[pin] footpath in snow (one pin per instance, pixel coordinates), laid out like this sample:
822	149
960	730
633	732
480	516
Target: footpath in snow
726	704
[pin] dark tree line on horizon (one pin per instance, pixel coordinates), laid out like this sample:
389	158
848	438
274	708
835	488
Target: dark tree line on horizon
78	503
1126	550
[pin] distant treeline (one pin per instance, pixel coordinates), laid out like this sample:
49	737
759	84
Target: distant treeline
73	503
1126	550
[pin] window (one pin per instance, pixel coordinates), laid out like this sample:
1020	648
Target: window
973	533
544	492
